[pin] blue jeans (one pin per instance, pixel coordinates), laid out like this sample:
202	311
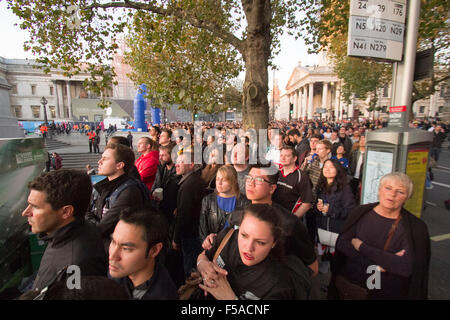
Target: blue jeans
191	248
434	152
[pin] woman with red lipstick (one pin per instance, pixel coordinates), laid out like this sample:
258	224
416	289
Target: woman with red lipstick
249	265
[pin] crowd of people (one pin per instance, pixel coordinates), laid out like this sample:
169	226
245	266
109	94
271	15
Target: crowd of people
247	226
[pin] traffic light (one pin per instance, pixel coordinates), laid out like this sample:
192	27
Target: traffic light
195	115
291	108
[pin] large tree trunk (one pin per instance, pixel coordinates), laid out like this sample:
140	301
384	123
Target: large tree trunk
256	54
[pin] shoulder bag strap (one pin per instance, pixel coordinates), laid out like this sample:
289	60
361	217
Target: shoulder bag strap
391	232
223	243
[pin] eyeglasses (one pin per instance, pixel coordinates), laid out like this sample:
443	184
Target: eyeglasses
258	181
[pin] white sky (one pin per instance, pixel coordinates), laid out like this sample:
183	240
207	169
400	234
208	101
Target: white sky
292	50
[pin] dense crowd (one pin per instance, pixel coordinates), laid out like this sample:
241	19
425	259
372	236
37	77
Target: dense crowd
207	211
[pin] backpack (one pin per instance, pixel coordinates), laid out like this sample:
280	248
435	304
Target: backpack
109	201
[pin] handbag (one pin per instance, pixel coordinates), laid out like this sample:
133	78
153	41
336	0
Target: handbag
195	278
326	237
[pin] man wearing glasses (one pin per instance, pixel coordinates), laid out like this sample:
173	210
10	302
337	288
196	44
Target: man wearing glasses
260	185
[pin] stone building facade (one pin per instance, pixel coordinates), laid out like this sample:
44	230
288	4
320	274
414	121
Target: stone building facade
314	92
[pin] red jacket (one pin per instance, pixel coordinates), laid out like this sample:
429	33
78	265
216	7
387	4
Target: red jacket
147	166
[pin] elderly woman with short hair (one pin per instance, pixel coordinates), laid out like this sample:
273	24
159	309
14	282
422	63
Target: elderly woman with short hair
383	251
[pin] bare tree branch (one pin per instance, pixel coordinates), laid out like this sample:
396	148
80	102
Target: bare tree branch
175	12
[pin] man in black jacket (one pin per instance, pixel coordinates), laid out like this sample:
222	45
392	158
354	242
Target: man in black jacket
189	204
57	203
116	192
134	254
301	144
346	141
166	179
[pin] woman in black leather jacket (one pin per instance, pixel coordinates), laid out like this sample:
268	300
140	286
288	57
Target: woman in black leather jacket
218	206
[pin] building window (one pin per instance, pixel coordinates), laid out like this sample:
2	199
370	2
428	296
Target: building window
36	111
52	90
64	90
98	118
422	109
441	109
14	89
83	93
386	91
16	111
33	89
52	111
384	109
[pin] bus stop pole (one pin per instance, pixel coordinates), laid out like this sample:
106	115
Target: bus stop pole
403	72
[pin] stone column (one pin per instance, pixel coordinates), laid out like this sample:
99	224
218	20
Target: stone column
295	113
310	100
58	111
432	111
69	100
60	99
350	109
337	101
304	102
325	97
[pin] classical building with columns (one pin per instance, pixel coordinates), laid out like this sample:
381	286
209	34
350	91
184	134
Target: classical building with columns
314	92
67	98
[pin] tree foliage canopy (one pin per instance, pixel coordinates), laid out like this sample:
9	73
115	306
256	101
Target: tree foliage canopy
64	33
325	26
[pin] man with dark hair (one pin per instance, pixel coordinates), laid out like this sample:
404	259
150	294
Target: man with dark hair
154	132
166	201
346	141
261	184
136	242
301	144
58	201
166	179
133	172
165	138
312	151
189	203
117	191
130	139
120	140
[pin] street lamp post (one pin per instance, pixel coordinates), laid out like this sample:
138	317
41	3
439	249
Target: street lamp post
44	103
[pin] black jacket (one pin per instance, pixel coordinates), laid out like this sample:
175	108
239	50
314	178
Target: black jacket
347	143
266	280
418	237
159	287
302	149
340	205
353	162
189	205
78	243
212	218
104	216
167	180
